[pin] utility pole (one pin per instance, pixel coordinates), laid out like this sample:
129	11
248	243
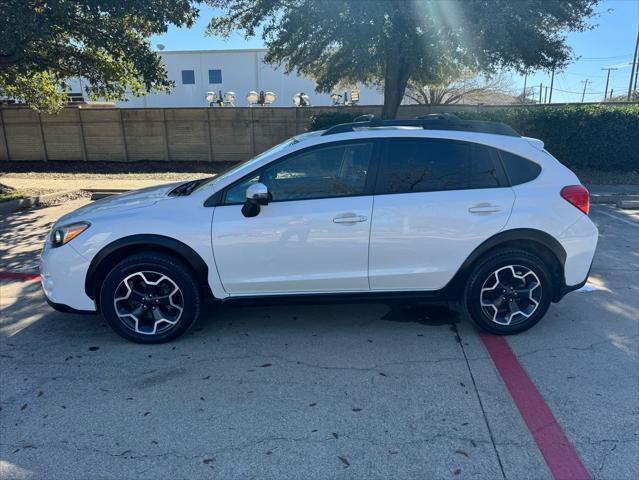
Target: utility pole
607	80
552	81
583	95
546	94
633	67
523	98
541	87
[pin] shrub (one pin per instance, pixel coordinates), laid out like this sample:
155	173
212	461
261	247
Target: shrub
602	137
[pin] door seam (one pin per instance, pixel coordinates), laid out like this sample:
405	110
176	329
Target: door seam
370	232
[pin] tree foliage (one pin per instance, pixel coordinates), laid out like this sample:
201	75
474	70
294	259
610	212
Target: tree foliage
389	42
45	42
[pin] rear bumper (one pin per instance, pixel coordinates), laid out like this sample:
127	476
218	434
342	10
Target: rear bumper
580	242
566	289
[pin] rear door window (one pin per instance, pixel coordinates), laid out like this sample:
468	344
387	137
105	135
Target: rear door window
431	165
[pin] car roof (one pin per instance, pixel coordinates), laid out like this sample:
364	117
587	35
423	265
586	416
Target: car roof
524	146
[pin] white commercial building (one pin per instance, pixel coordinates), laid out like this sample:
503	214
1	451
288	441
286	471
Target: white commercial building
200	71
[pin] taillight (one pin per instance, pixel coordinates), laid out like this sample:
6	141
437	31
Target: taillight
578	195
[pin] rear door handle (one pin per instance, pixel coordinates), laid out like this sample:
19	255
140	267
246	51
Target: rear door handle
484	209
350	219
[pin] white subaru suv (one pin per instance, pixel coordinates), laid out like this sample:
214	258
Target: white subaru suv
433	208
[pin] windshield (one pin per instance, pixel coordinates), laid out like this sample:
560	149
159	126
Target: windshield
246	166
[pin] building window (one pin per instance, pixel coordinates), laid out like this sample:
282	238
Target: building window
188	77
215	76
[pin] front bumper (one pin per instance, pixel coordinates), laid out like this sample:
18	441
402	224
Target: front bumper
67	309
62	274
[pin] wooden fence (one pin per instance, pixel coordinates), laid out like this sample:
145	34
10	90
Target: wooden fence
165	134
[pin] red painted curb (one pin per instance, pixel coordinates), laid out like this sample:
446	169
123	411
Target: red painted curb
558	452
19	276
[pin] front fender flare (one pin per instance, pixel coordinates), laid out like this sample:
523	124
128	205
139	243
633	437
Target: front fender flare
134	243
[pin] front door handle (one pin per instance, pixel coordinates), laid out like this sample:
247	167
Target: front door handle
350	219
484	208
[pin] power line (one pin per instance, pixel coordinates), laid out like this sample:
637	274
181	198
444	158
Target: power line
606	58
583	74
577	93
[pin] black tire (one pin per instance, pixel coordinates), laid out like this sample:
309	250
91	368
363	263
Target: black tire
483	276
171	273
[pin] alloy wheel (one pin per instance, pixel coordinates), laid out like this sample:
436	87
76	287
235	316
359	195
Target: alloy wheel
148	302
510	295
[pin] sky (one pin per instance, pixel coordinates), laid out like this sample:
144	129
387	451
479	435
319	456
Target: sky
609	44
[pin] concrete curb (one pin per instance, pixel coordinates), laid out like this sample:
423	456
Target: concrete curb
621	200
31	202
628	204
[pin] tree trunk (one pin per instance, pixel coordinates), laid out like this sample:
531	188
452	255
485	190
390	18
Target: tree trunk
395	81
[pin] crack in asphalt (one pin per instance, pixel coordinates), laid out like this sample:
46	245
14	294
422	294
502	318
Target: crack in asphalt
132	455
481	405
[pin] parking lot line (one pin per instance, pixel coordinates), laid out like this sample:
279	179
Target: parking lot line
617	217
559	454
19	276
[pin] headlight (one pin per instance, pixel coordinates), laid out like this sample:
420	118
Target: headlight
66	233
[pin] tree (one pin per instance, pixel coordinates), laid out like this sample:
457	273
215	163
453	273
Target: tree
465	88
389	42
45	42
634	97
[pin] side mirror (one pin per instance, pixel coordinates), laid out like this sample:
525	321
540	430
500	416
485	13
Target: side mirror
256	195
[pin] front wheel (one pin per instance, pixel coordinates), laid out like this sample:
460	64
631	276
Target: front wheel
150	298
508	292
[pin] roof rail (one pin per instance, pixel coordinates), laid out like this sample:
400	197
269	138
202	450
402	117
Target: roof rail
439	121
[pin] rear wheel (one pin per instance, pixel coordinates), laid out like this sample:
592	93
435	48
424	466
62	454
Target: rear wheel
508	292
150	298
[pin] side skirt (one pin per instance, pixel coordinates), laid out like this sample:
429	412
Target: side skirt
359	297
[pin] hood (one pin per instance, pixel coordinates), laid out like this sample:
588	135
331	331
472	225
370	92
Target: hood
124	201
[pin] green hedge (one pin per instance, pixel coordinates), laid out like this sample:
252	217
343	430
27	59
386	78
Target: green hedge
601	137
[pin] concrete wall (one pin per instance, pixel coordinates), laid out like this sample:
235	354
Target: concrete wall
164	134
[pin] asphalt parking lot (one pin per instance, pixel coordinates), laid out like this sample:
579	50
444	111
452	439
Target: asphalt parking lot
322	391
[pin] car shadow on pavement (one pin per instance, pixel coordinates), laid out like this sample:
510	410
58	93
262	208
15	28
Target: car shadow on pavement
26	316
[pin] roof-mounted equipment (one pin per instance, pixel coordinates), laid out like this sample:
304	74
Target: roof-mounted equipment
440	121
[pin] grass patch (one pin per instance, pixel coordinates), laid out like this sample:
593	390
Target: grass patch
65	170
9	193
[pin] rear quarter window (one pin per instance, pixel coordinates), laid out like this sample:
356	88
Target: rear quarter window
519	169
